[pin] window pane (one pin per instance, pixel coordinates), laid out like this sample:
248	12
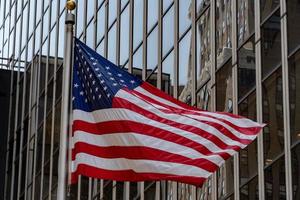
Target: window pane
203	97
203	49
250	190
224	88
223	31
168	31
89	35
184	15
275	180
270	35
137	22
112	12
293	10
100	23
168	74
152	49
80	13
90	9
266	7
201	5
245	19
112	44
124	36
273	116
185	71
296	171
246	67
294	91
152	13
138	58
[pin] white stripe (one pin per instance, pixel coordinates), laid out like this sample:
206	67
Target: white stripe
113	114
178	118
241	122
139	166
135	139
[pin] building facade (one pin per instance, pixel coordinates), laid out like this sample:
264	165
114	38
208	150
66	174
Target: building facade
239	56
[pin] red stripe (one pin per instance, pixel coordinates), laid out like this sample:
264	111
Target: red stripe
122	103
131	126
244	130
144	153
172	110
130	175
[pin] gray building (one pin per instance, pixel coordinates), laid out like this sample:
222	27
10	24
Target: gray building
239	56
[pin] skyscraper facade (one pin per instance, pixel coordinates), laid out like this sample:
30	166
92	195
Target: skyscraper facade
239	56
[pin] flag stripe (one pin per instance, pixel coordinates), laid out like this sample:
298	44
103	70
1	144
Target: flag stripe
138	152
138	165
141	128
129	175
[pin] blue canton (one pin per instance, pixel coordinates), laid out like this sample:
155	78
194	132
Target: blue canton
97	80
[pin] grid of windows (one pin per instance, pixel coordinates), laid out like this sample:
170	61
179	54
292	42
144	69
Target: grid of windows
219	55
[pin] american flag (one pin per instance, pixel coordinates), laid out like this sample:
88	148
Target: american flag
124	129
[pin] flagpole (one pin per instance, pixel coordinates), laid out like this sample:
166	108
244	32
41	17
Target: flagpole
68	49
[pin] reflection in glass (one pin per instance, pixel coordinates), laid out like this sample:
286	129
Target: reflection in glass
79	20
100	23
152	44
296	171
185	69
225	179
203	51
248	156
246	67
112	11
168	30
201	5
245	19
223	31
273	116
152	13
137	22
266	7
89	35
293	10
250	190
224	87
203	97
124	36
294	92
271	46
90	9
111	55
138	58
184	15
168	74
275	180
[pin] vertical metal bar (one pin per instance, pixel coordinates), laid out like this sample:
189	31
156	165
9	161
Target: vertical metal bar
159	45
286	101
236	171
106	29
260	149
130	61
214	184
84	20
118	32
145	30
61	189
176	49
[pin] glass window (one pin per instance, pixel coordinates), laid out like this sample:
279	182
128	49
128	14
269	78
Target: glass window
250	190
271	46
203	97
25	25
123	3
31	19
294	92
245	19
89	35
184	15
225	179
168	74
79	18
296	171
100	48
61	36
45	24
137	22
273	116
138	58
124	36
275	180
185	70
166	4
111	55
224	87
266	7
246	67
112	11
100	23
203	51
223	31
293	13
152	13
248	156
90	9
201	5
38	10
168	31
54	12
152	45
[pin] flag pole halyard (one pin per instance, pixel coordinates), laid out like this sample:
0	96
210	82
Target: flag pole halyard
68	49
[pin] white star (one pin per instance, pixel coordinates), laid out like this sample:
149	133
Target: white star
77	72
88	69
76	58
79	50
115	84
99	96
111	78
84	62
107	68
102	81
96	89
119	75
94	63
97	69
85	100
88	84
122	81
91	90
92	58
109	73
85	77
90	75
93	97
99	75
76	85
81	93
132	81
105	88
108	95
82	84
82	57
73	98
93	83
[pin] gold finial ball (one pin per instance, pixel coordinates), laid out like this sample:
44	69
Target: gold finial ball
71	5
